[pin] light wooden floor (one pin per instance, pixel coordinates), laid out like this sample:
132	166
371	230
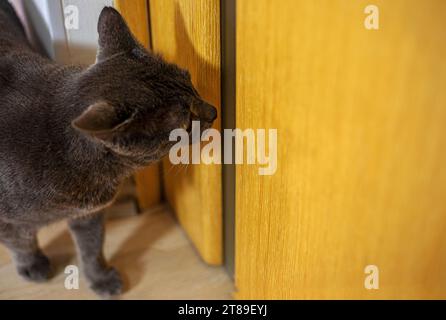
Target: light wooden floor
152	252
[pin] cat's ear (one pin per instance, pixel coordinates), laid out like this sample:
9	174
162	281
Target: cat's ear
114	34
100	120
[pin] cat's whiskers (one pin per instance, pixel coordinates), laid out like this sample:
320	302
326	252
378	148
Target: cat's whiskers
180	169
170	169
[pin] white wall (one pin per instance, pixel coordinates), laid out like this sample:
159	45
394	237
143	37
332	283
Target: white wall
45	19
82	43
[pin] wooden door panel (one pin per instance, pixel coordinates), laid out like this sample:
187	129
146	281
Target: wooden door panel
148	180
187	32
361	176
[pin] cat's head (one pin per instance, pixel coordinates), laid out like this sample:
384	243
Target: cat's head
135	98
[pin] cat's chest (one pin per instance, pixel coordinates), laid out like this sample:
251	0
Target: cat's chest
94	197
89	209
84	200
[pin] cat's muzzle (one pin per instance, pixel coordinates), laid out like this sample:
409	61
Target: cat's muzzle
203	112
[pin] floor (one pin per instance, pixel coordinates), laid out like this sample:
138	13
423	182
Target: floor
155	258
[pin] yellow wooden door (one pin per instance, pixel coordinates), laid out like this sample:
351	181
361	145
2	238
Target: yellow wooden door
361	177
148	181
187	32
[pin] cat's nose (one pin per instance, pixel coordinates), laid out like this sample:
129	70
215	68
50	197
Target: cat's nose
204	111
209	113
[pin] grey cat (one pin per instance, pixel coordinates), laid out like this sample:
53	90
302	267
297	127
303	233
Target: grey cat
70	135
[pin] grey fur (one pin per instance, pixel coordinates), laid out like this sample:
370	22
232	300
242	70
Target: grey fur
69	135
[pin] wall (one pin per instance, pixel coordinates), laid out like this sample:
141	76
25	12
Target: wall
45	20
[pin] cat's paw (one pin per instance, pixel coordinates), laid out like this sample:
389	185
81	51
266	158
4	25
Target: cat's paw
109	284
37	269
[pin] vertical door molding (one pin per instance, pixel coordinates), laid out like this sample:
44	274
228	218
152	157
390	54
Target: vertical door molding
148	180
187	32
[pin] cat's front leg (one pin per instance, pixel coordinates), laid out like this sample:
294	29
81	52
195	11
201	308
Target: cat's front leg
89	235
21	240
